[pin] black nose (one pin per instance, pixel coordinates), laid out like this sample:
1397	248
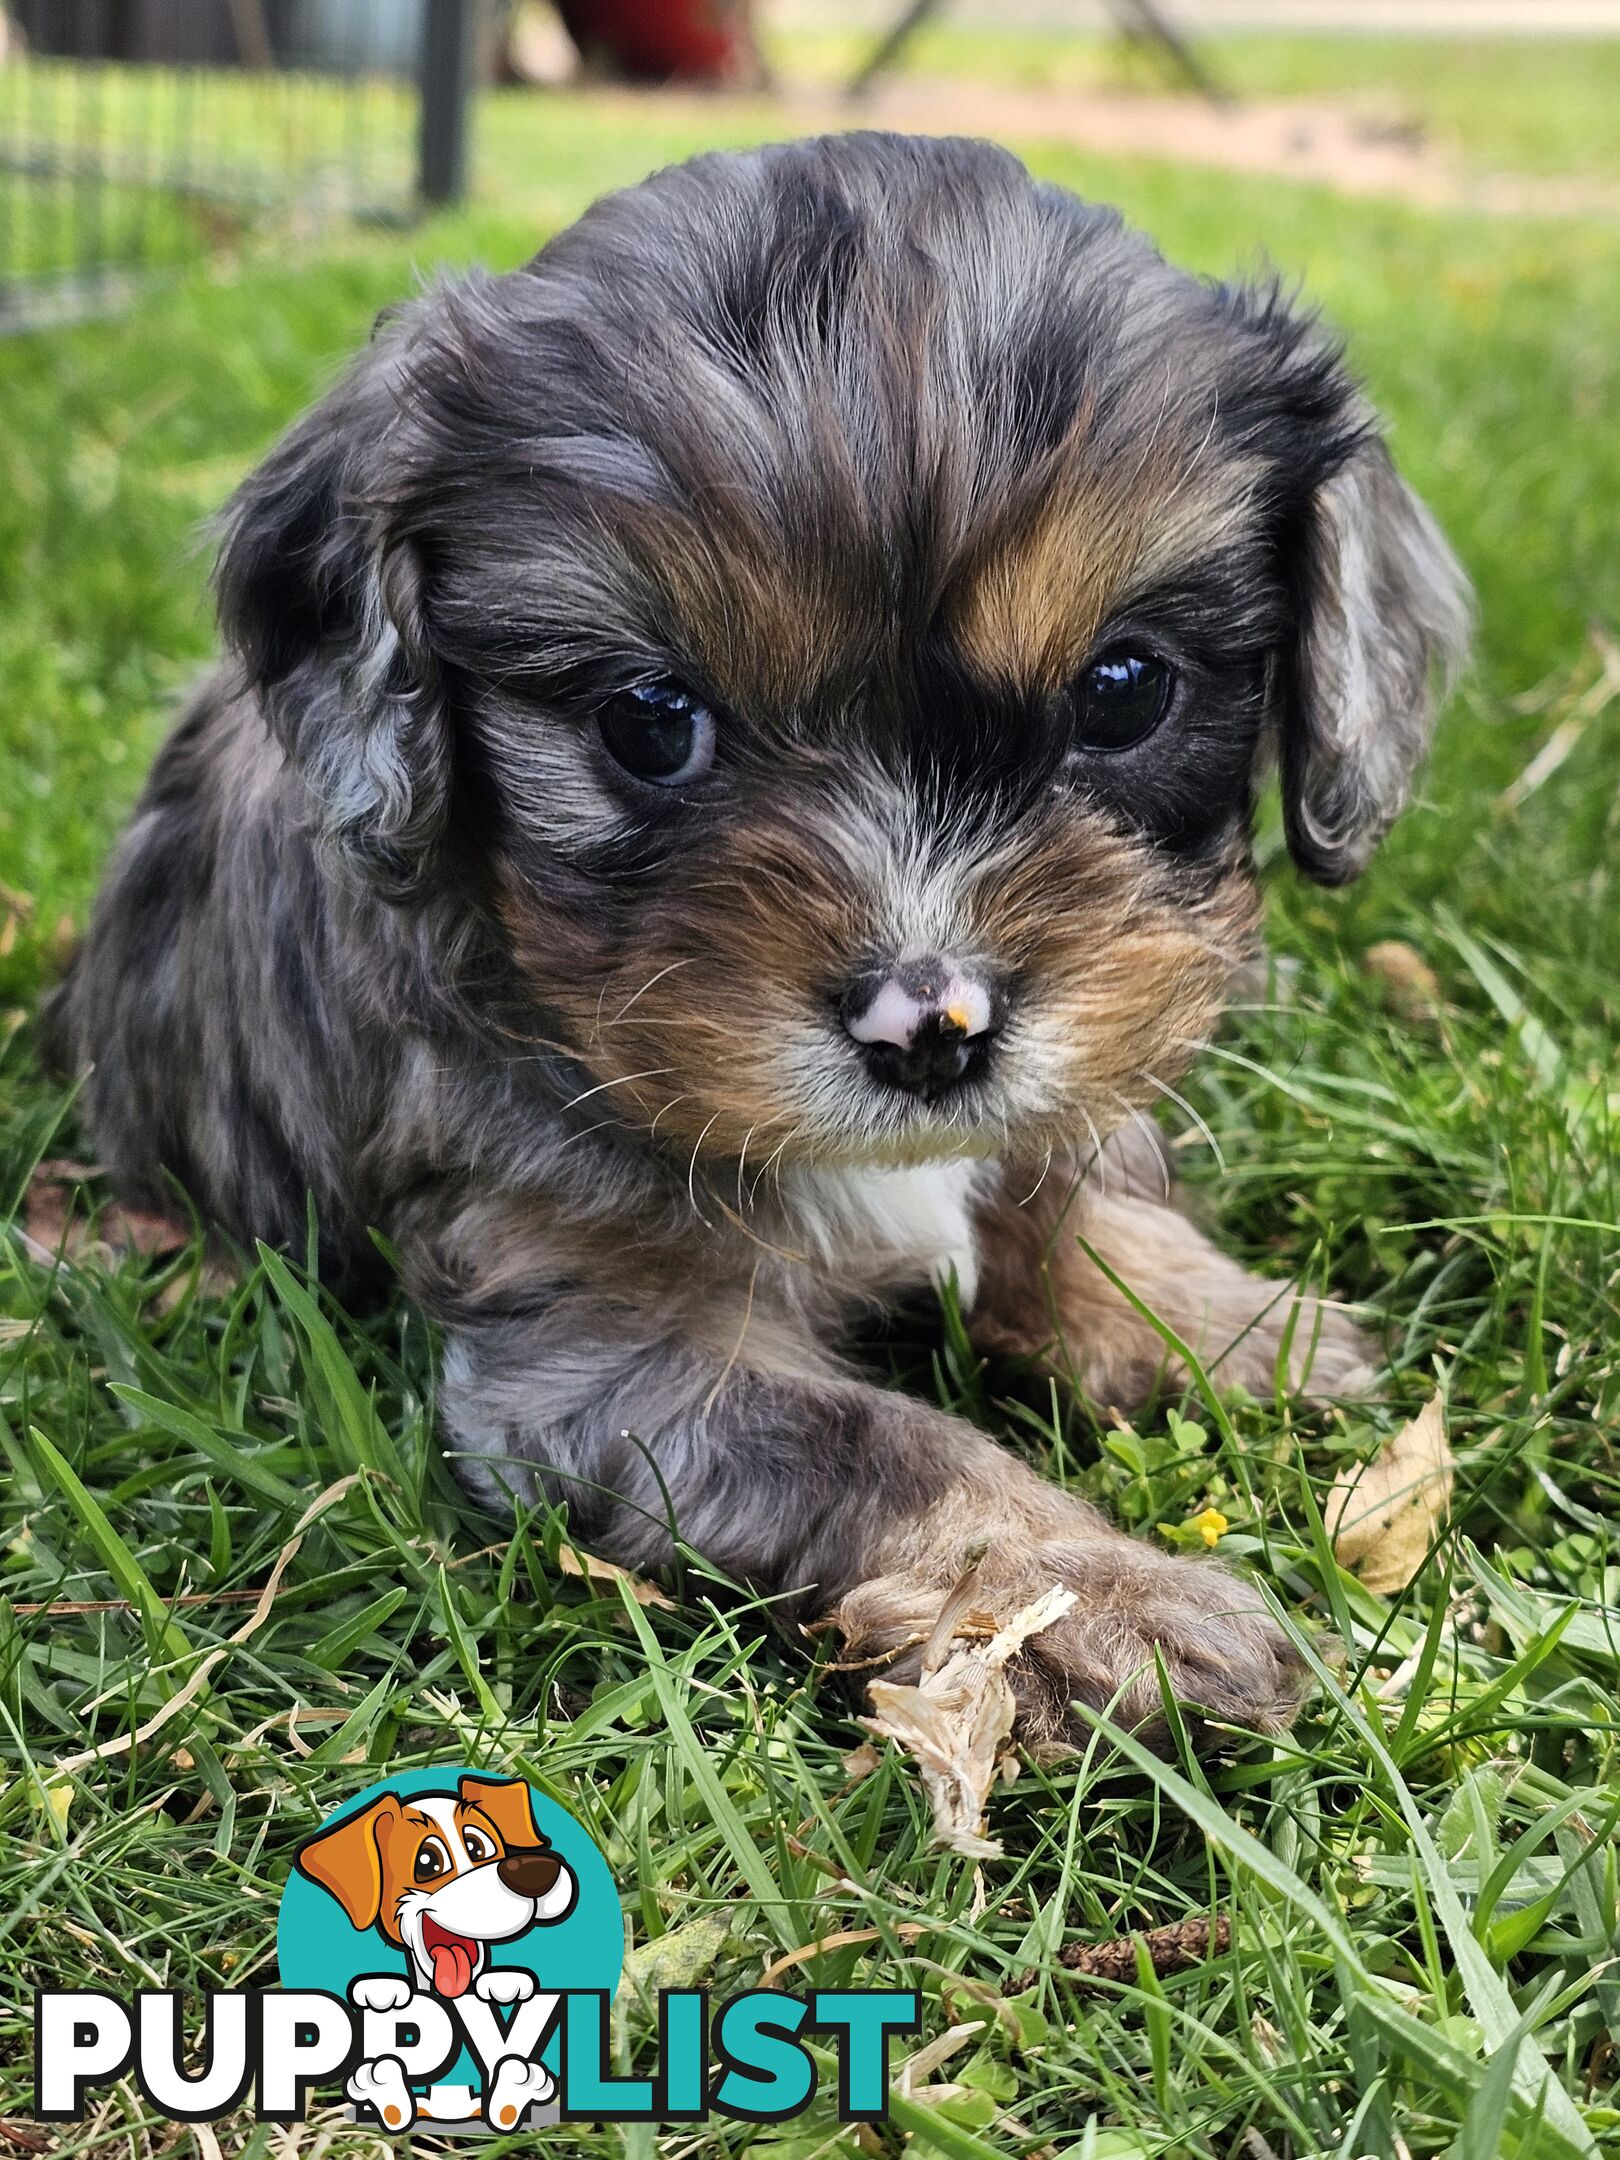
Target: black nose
924	1025
530	1871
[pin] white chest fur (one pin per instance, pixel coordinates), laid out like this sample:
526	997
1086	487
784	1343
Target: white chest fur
876	1231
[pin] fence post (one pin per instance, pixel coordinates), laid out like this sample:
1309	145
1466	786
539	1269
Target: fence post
449	30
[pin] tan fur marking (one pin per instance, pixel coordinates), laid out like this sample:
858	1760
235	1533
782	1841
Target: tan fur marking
1030	607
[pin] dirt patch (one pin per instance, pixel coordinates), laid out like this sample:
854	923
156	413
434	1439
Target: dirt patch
1331	143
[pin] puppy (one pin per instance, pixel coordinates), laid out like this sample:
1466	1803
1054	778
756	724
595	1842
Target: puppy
733	782
441	1876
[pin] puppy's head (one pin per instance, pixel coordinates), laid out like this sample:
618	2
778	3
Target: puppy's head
828	614
442	1875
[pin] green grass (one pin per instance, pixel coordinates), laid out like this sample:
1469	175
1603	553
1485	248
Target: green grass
1423	1882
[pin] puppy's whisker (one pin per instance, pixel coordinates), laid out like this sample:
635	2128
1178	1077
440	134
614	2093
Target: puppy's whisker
1187	1109
539	1045
1155	1139
673	1103
618	1017
1046	1165
1097	1163
691	1170
742	1163
692	1023
653	1072
763	1172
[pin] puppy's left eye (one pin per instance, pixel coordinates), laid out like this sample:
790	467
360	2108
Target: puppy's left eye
1120	699
659	732
479	1849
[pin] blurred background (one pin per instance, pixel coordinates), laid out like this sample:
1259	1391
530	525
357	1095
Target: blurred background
204	202
136	135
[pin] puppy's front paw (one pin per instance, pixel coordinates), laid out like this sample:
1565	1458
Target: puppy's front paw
504	1984
381	2086
380	1991
517	2086
1225	1656
1328	1354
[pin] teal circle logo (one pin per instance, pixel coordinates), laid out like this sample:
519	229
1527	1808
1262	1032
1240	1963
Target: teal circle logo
438	1901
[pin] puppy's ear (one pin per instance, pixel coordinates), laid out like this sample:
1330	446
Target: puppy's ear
321	601
1383	621
347	1860
506	1802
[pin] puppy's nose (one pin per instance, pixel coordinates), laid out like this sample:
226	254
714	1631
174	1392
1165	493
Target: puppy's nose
531	1872
922	1025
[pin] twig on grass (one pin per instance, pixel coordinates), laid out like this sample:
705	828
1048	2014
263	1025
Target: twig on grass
1172	1949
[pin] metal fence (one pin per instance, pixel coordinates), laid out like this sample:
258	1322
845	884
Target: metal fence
139	136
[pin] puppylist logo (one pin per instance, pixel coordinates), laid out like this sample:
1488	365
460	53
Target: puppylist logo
449	1944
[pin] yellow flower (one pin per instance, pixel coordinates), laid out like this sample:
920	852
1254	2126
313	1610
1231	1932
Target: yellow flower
1211	1526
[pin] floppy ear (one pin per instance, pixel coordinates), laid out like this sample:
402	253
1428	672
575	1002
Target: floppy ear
347	1860
506	1802
321	601
1383	616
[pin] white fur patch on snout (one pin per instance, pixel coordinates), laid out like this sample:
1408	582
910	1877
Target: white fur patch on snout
479	1905
896	1013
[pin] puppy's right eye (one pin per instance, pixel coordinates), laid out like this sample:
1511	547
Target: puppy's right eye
660	733
1120	699
432	1861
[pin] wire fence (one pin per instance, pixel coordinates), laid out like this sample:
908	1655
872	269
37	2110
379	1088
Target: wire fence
139	136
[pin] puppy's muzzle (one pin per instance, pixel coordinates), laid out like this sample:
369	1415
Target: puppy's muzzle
926	1026
530	1871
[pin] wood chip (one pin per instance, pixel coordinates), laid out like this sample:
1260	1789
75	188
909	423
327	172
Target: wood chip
1382	1515
957	1720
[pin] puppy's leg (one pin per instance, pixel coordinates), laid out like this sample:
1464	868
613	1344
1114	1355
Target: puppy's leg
851	1497
381	2085
1041	1295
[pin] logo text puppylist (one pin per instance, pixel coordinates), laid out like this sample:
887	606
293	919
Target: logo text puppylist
448	1946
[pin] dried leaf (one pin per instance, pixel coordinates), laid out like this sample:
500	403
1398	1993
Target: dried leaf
1382	1515
919	2067
680	1959
1407	979
860	1763
52	1220
587	1567
957	1720
59	1224
905	1930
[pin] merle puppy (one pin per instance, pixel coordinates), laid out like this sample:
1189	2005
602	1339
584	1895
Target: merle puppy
733	780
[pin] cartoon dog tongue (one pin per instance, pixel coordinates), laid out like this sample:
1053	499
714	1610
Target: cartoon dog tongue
452	1959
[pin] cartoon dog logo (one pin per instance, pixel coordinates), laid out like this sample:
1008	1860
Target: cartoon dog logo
442	1876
